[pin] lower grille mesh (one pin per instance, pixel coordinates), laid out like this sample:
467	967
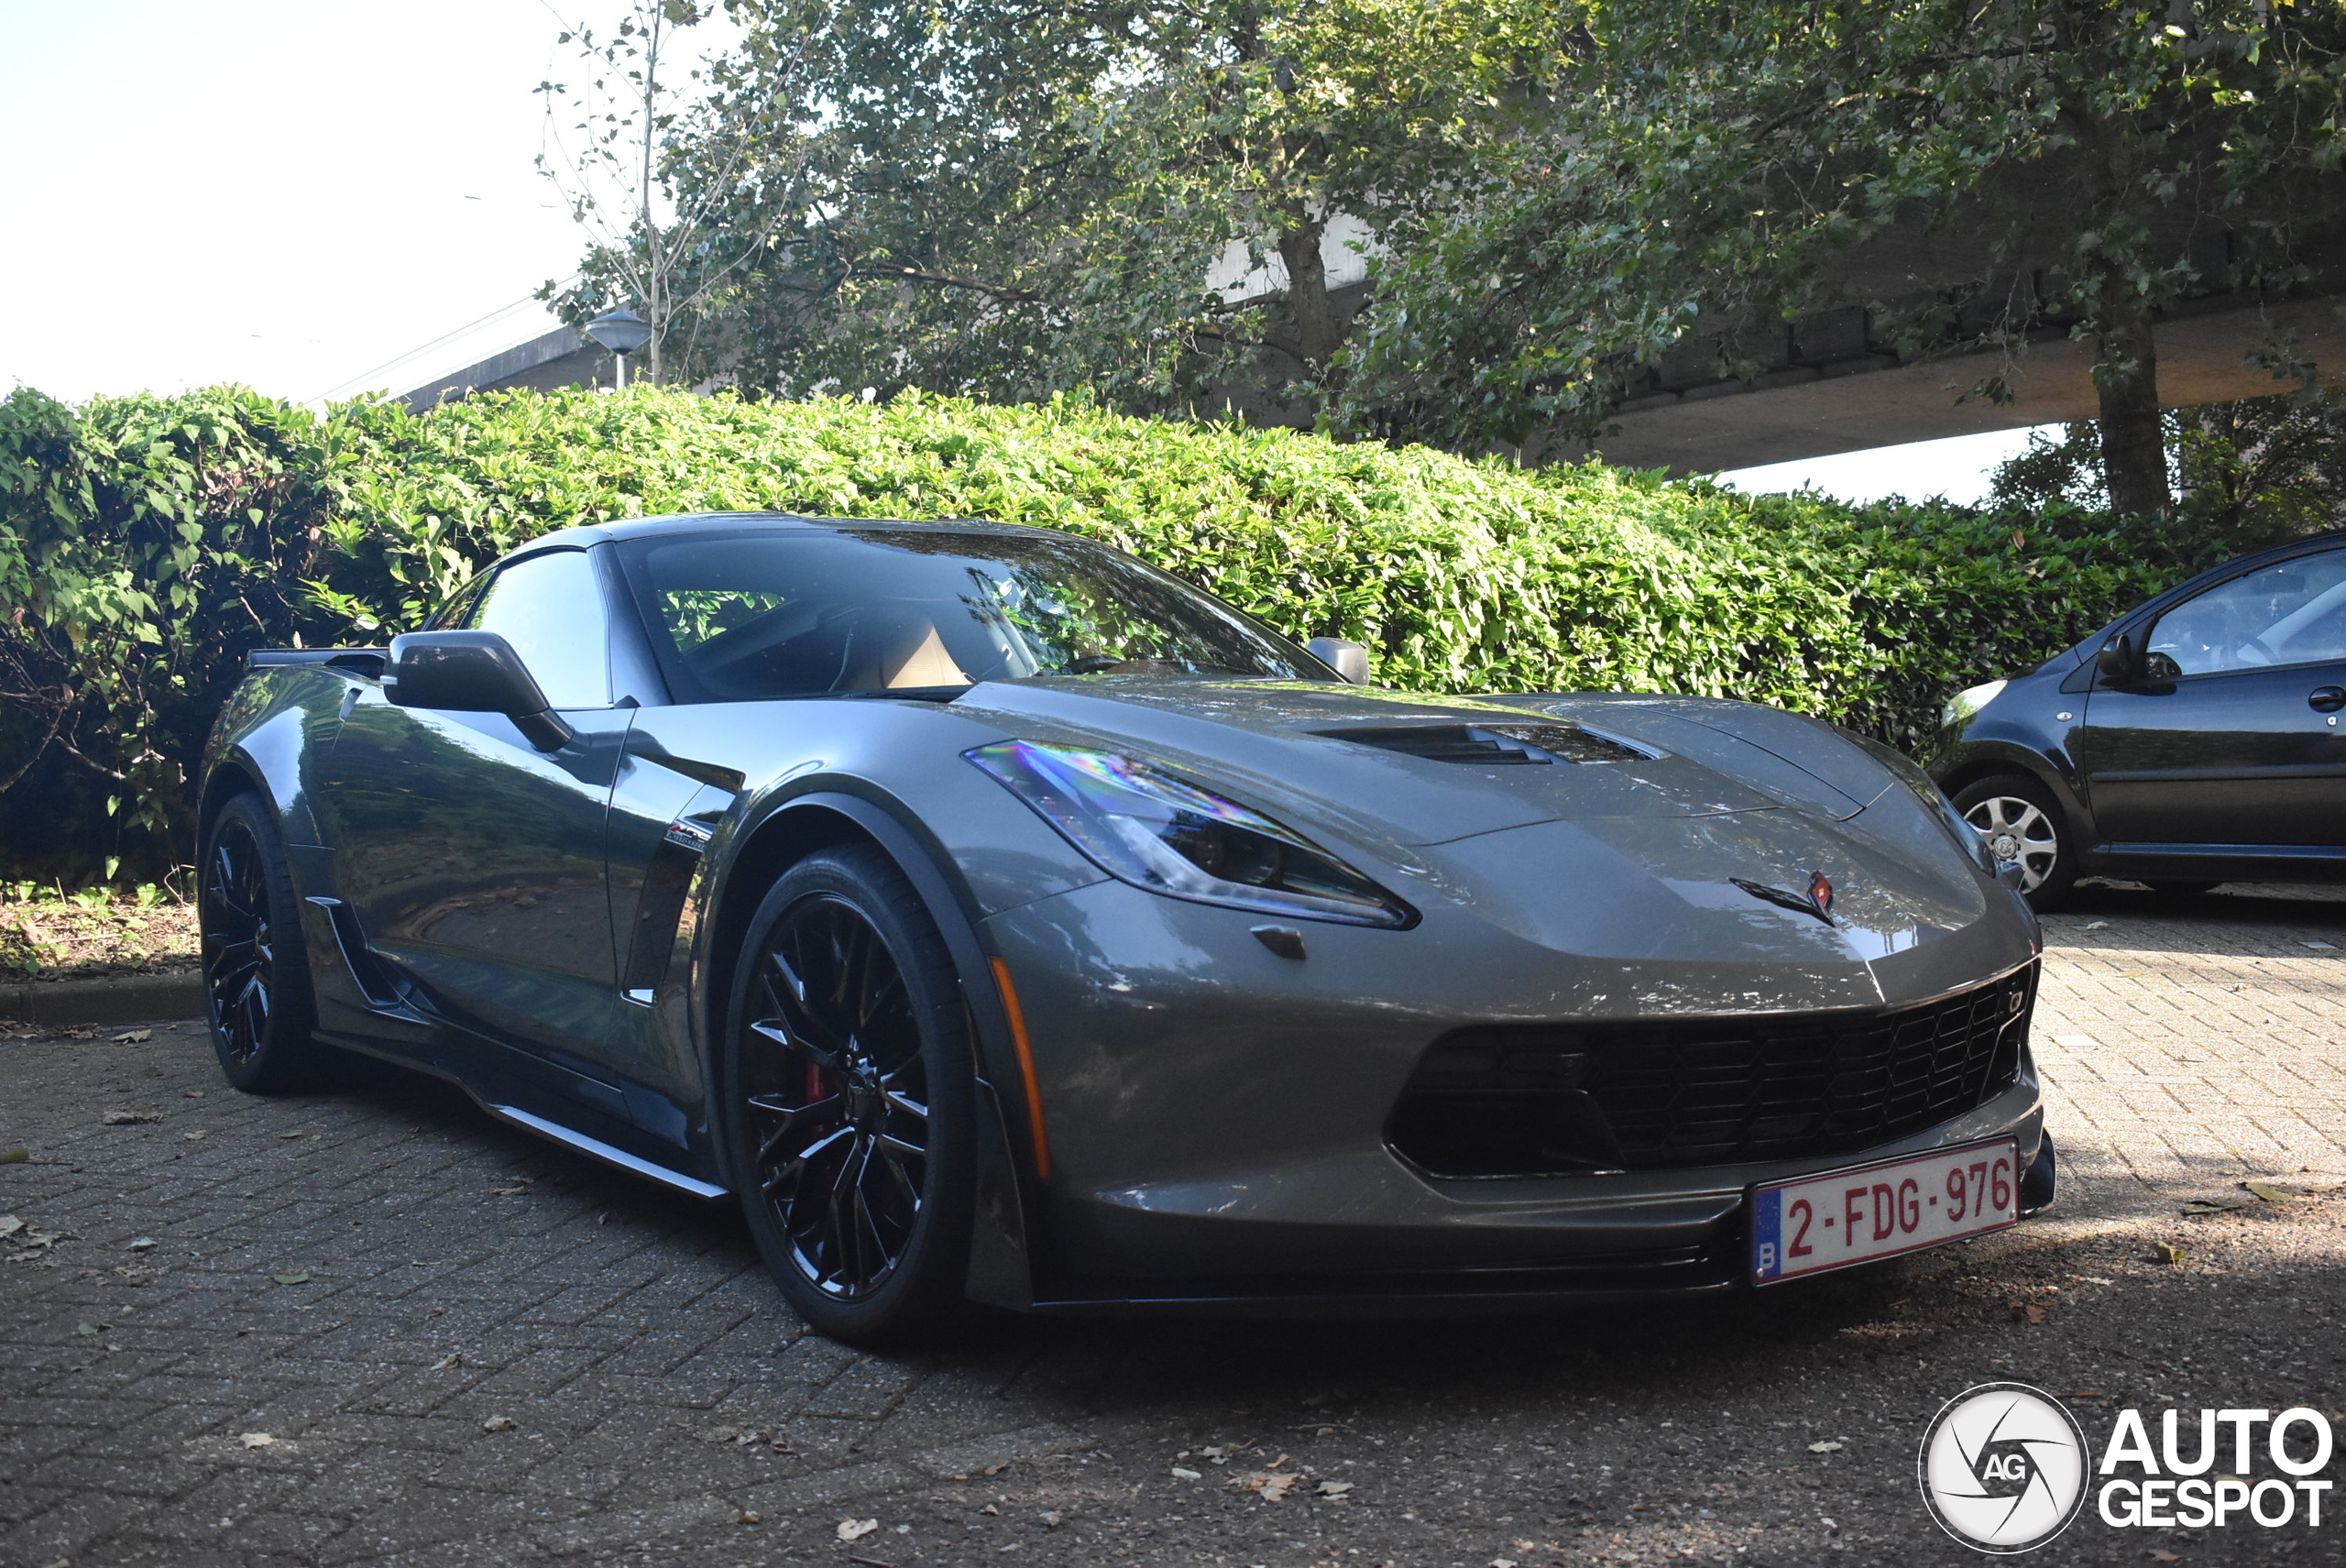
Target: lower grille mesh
1643	1094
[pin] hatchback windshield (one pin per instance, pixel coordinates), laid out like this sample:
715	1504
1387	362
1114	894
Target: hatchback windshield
788	613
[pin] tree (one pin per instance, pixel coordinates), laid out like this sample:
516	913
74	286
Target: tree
2245	475
1016	197
1712	170
654	148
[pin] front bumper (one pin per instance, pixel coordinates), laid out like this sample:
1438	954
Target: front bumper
1217	1113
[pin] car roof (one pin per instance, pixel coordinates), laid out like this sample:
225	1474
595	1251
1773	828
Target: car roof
588	534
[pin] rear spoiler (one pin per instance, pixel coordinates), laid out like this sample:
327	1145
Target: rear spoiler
366	662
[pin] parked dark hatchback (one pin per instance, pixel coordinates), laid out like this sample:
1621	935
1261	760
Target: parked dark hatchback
2194	740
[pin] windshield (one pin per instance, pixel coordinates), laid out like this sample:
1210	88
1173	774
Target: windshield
772	613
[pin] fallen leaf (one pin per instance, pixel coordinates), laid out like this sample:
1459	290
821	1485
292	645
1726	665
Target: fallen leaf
292	1135
2029	1310
856	1529
447	1361
85	1328
10	1225
134	1037
197	1134
1186	1474
1271	1487
2167	1251
141	1243
1830	1447
521	1191
990	1510
498	1423
190	1094
129	1118
14	1156
2214	1205
745	1517
290	1279
256	1439
1053	1518
997	1467
2271	1193
1338	1489
2093	924
2164	1555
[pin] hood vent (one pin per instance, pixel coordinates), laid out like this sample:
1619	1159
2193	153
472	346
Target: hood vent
1495	744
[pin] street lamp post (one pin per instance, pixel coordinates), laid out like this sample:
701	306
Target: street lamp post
622	332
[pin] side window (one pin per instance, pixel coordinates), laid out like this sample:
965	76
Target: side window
550	608
2292	613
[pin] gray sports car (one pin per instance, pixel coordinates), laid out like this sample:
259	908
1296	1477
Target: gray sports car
1001	919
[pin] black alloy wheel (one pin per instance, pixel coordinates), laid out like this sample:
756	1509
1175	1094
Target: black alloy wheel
255	970
239	966
851	1088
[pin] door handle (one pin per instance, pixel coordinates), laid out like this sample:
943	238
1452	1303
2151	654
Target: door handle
2327	699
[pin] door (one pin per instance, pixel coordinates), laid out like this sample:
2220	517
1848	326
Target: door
473	862
2231	737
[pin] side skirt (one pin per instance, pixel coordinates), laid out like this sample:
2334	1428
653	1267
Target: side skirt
570	1138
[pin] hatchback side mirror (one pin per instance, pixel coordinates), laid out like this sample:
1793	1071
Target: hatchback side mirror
2117	662
472	672
1347	658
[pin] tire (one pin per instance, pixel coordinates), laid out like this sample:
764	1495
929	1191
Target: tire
2021	820
257	988
847	1105
2168	887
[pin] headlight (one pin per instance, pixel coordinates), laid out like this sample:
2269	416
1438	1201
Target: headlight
1968	701
1149	828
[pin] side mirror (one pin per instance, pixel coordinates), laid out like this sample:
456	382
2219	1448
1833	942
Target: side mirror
2117	662
1347	658
472	672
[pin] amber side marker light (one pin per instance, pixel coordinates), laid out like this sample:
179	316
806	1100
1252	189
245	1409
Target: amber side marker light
1017	1015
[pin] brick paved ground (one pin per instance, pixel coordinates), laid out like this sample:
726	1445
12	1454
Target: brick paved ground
373	1327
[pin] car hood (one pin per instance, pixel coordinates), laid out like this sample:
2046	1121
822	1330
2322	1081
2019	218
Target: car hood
1671	843
1405	762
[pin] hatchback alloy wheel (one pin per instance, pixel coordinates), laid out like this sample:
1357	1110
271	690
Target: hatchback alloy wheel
2018	833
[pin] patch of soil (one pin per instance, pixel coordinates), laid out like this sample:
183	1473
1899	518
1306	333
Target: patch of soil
46	936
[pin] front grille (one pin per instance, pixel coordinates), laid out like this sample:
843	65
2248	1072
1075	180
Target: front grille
1649	1094
1503	744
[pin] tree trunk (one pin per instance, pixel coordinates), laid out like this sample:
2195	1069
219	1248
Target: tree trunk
2133	438
1317	331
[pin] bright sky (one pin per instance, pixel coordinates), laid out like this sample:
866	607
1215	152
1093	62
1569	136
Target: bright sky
320	196
1957	467
282	193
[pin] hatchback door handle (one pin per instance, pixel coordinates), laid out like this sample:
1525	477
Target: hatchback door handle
2327	699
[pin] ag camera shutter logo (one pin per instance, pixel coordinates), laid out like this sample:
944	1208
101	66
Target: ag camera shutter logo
2003	1468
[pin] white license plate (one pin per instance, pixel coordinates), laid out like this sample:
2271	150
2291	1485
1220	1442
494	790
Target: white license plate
1870	1212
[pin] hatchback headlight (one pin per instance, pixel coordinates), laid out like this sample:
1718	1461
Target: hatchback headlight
1143	825
1968	701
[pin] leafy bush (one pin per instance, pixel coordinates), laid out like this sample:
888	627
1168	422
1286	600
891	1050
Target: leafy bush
146	543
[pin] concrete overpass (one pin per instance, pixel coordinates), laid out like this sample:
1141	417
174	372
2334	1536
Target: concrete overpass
1831	392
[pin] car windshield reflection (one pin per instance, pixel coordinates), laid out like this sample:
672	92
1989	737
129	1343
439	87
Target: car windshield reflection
781	614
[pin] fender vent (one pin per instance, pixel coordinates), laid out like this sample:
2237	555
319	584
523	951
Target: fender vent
1495	744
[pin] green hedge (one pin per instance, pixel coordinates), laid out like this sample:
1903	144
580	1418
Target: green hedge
147	542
